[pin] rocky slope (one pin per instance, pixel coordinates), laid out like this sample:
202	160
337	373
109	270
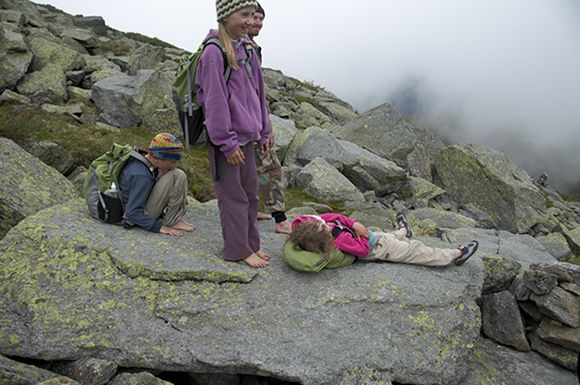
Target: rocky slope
96	304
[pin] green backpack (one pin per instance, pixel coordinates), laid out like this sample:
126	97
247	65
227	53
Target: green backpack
101	188
191	116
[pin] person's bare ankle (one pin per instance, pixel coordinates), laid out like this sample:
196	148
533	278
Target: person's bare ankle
262	255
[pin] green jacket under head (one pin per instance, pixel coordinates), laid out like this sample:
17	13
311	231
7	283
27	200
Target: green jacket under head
311	262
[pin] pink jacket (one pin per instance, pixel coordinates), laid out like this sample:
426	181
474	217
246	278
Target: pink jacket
345	242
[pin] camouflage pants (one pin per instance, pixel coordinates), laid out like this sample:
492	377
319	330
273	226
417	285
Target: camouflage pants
270	186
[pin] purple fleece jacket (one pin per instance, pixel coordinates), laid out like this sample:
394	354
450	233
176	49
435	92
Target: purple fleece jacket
235	113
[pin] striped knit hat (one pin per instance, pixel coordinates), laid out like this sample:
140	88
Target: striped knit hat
166	147
227	7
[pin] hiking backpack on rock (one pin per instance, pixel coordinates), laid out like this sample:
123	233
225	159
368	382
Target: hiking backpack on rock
191	114
101	188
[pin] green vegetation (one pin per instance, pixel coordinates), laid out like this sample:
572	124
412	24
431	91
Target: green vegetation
86	142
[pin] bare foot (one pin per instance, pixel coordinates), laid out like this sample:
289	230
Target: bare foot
262	255
283	228
184	226
264	216
255	261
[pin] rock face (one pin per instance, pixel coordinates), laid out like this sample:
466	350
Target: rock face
494	364
383	132
502	321
487	179
86	293
28	185
12	372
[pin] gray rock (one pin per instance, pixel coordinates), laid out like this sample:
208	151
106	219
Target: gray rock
384	132
95	23
285	131
364	169
13	17
75	301
100	68
323	181
532	310
75	77
571	287
556	244
70	109
28	185
502	321
540	282
13	67
45	86
365	376
79	94
556	333
443	218
143	378
500	273
10	97
145	99
33	16
48	50
146	57
493	364
88	371
337	111
561	356
420	164
424	192
560	305
85	37
53	155
565	272
487	179
16	373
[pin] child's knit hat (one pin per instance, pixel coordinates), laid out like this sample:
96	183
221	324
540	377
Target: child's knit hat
227	7
166	147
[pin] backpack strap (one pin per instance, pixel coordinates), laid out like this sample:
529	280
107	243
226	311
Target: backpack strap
339	228
227	69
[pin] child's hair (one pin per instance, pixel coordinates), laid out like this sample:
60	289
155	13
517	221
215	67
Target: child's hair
226	40
311	236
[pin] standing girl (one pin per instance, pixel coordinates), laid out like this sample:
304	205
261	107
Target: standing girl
236	118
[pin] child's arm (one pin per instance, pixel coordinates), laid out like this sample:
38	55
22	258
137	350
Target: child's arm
357	246
343	219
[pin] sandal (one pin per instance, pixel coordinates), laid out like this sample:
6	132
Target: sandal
466	252
402	221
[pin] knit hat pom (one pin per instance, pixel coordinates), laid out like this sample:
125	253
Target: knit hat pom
225	8
166	147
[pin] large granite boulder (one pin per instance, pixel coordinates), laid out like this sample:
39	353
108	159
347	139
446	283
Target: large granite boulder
53	155
285	130
502	321
145	99
28	185
323	181
146	300
48	49
384	132
100	68
146	57
364	169
487	179
45	86
15	58
493	364
94	23
33	17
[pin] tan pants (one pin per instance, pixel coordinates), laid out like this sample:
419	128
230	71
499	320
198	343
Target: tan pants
395	247
168	197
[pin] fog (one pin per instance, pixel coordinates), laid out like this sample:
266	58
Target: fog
503	73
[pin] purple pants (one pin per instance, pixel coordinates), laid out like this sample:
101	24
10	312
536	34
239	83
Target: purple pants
237	194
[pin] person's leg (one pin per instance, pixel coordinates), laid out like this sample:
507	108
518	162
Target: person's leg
271	189
233	205
169	195
390	248
249	182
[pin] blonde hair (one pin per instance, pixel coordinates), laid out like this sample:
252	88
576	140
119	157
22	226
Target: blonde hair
312	236
227	43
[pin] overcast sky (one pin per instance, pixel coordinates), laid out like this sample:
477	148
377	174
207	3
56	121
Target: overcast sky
505	72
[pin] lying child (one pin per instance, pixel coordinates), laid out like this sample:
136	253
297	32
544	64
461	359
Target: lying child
334	240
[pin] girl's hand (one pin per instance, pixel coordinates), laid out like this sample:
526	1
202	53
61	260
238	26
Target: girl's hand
271	139
237	158
264	148
360	230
